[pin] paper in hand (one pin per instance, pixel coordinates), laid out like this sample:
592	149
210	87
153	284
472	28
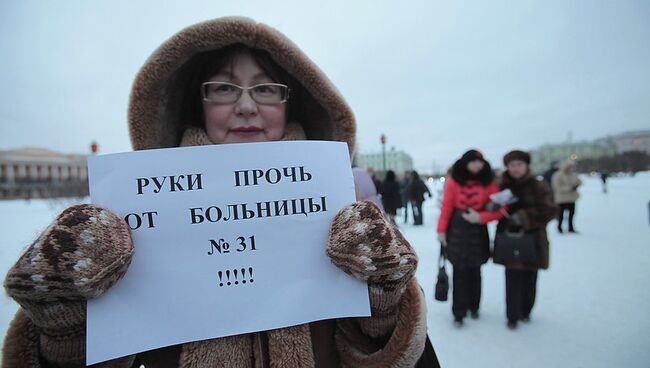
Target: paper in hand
504	197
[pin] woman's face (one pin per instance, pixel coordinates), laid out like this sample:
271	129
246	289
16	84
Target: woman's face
244	120
517	169
475	166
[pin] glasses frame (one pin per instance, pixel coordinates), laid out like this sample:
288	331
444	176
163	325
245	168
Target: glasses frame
245	89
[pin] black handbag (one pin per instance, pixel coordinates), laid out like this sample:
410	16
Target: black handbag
515	247
442	284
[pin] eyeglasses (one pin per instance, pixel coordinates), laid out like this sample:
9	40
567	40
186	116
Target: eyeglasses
228	93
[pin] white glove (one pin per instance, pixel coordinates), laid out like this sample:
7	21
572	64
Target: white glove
472	216
442	238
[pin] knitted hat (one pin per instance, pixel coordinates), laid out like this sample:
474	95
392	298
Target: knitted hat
472	155
516	155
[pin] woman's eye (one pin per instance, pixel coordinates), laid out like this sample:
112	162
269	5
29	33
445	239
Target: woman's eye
223	88
266	89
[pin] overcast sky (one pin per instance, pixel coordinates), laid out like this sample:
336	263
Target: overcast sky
437	77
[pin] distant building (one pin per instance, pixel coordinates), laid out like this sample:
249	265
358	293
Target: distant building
632	141
398	161
40	173
543	156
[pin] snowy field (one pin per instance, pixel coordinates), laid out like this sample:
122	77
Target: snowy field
593	303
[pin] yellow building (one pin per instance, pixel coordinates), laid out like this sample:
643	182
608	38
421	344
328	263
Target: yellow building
39	173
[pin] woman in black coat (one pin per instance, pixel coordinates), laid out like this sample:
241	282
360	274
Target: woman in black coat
530	214
416	190
390	195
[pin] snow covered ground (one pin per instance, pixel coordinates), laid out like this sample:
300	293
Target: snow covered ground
593	306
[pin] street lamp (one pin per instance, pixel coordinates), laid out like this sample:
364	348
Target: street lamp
383	151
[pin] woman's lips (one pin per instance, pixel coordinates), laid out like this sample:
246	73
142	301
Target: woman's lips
247	130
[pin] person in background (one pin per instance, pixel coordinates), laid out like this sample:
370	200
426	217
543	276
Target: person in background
390	195
603	178
565	183
530	213
462	229
366	189
548	174
416	190
375	179
498	173
403	187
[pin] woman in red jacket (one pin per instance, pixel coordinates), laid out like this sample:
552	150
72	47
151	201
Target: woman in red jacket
462	229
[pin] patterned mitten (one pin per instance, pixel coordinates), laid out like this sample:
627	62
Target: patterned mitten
84	252
367	246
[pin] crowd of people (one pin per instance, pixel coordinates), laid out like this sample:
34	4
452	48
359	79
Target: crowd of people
391	194
467	206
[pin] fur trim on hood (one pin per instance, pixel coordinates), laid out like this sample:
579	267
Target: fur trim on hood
461	175
155	117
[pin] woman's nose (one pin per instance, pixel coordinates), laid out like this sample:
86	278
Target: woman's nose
246	105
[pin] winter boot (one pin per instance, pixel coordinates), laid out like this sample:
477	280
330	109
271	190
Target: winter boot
458	321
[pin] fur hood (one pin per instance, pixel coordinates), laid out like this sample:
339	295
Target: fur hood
155	118
461	175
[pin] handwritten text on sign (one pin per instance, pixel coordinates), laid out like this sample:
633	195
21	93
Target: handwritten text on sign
229	239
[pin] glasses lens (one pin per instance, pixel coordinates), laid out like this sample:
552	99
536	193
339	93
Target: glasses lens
221	92
269	93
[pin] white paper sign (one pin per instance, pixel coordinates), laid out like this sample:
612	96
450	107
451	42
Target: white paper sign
503	198
229	239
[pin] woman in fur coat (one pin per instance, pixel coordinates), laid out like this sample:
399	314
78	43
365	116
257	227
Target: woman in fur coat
462	229
532	211
228	80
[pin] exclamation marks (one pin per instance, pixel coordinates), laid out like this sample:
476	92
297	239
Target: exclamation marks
236	273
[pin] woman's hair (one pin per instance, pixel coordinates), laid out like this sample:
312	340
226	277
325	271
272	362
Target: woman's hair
390	175
204	65
461	175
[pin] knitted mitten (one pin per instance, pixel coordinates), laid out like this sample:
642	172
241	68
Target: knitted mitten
80	255
365	245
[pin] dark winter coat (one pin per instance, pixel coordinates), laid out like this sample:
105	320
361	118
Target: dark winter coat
468	245
535	208
391	197
416	190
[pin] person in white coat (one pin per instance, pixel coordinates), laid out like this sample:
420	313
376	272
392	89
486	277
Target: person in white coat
565	184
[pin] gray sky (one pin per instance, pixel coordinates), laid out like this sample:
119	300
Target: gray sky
437	77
